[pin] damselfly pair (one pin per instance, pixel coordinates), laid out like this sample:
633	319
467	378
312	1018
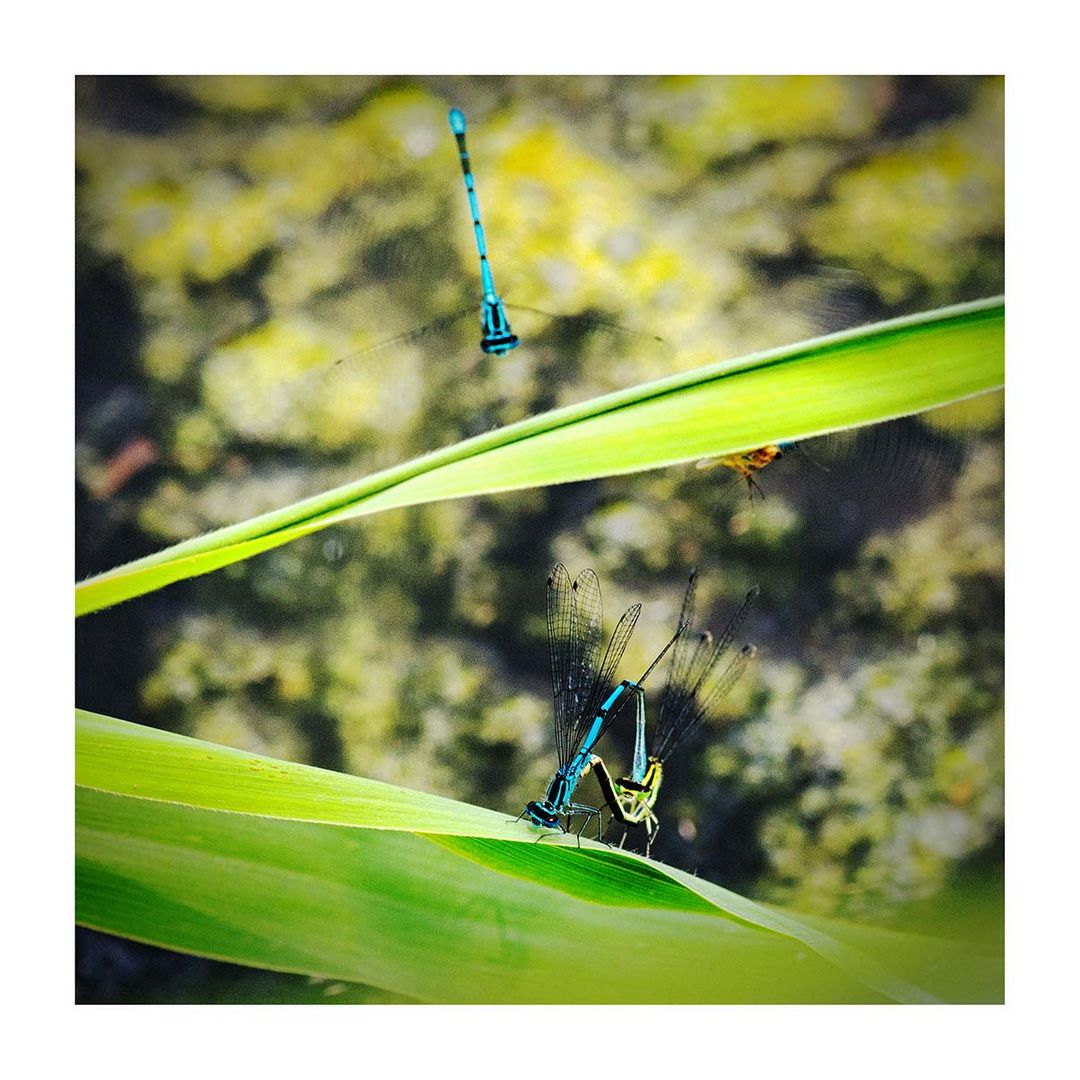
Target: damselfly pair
587	702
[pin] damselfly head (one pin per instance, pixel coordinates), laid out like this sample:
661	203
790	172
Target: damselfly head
541	812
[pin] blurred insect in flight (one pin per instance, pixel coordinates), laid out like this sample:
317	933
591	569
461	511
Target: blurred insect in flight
835	300
894	461
747	463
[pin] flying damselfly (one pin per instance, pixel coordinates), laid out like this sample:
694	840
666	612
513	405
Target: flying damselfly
383	384
496	336
585	699
697	684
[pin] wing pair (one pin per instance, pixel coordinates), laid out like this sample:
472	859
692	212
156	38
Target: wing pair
580	682
697	680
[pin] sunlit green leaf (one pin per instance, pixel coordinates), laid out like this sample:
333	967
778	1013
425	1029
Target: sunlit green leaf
844	380
231	855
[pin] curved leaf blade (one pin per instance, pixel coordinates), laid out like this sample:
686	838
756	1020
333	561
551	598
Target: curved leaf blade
849	379
235	856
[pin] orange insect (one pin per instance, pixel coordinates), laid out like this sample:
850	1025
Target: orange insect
747	463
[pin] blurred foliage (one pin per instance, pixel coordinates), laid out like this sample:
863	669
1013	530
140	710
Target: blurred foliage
884	760
236	236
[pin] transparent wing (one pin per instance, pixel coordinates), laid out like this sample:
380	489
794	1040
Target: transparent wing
903	451
604	681
736	621
575	632
541	332
675	638
297	382
560	615
384	351
705	705
586	636
603	328
673	729
680	690
732	674
851	483
294	382
688	646
604	686
703	682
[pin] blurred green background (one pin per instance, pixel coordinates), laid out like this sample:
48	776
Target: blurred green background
237	235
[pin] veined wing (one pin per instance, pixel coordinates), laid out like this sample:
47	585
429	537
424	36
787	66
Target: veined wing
689	645
672	729
604	681
575	631
696	691
592	322
558	327
560	620
391	346
297	382
734	624
586	636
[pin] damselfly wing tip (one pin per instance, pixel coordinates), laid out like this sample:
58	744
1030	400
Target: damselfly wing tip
585	577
